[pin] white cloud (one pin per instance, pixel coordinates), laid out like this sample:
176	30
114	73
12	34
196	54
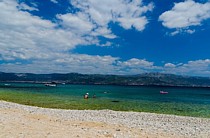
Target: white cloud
136	66
65	63
54	1
169	65
175	33
186	14
29	43
29	36
77	23
129	14
106	44
190	31
180	31
197	67
23	6
134	62
103	31
80	63
94	16
24	36
137	23
40	46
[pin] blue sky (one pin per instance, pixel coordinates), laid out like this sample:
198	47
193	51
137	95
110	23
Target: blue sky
105	37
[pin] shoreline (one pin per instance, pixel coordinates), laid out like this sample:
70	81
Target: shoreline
96	123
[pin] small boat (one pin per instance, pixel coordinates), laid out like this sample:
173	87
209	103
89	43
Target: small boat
163	92
50	85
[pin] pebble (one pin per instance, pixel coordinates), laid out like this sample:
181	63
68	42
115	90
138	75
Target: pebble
177	125
117	129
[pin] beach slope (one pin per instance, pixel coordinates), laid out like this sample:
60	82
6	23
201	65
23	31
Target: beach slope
26	121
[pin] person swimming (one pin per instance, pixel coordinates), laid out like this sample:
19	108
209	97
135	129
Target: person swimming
94	95
86	96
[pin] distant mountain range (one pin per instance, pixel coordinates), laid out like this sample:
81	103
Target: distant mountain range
147	79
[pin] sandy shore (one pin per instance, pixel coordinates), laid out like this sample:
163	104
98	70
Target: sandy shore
25	121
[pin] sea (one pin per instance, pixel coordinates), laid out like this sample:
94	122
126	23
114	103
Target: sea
178	100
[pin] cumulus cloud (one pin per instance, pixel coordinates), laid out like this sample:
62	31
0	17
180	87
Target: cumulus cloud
138	63
169	65
42	46
186	14
66	63
80	63
136	66
197	67
24	36
93	16
78	23
83	63
29	43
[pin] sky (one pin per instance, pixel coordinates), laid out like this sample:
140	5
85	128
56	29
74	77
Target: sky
123	37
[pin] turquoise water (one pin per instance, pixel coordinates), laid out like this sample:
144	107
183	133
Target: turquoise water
175	94
177	100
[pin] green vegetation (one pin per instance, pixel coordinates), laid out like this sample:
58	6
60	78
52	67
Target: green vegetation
67	102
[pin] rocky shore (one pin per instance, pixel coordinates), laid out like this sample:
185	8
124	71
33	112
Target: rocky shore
23	121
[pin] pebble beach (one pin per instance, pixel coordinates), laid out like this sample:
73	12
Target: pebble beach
28	121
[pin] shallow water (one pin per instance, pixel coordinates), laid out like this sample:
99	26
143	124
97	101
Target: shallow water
141	98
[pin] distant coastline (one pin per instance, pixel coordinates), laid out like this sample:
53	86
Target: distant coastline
146	79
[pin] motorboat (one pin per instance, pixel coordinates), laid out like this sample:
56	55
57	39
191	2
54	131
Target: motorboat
50	85
163	92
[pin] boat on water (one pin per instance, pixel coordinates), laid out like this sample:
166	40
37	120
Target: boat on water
163	92
50	85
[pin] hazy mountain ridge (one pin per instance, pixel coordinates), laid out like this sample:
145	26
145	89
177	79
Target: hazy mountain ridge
158	79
